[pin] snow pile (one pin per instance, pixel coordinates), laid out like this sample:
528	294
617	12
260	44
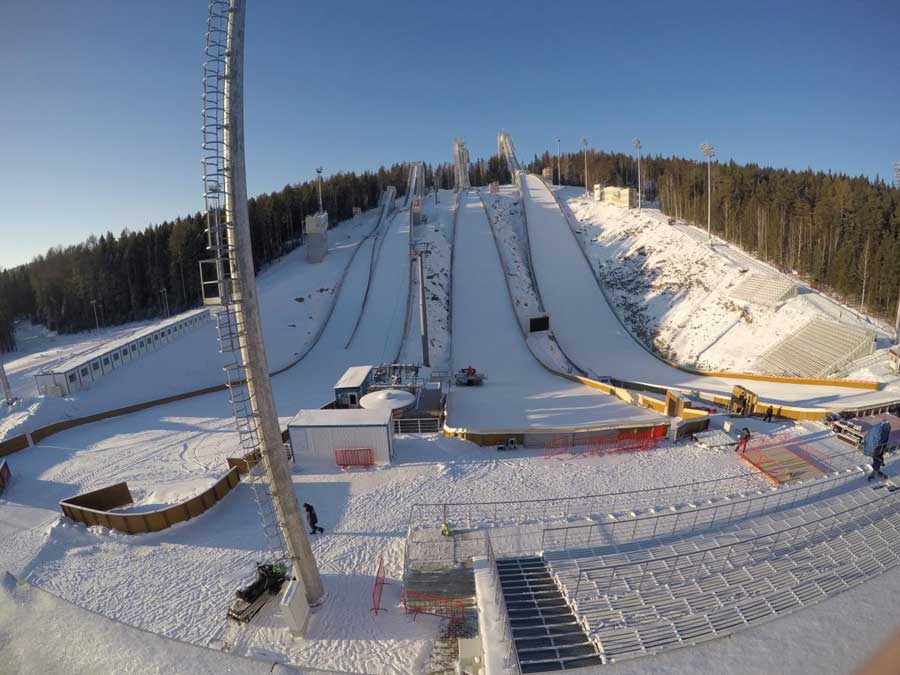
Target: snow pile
675	294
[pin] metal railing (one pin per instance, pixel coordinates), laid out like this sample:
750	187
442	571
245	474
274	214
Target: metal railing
511	656
718	559
417	425
618	532
524	511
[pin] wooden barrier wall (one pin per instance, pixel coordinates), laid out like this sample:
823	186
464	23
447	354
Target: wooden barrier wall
77	507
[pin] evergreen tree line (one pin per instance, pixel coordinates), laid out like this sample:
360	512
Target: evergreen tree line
125	275
839	233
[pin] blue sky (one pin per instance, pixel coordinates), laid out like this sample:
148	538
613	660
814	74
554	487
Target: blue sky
99	113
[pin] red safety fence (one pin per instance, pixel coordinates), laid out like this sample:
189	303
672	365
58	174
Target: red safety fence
436	605
347	457
378	587
624	441
557	447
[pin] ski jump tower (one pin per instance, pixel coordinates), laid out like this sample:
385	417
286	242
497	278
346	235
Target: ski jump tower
239	326
461	160
507	150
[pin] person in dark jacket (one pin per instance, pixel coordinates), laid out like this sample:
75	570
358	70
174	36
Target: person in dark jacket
877	462
768	417
744	440
312	519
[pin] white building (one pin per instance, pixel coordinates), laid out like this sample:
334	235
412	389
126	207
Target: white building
80	371
322	434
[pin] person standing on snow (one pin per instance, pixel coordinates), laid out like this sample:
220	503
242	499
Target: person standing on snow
312	519
877	462
744	440
768	417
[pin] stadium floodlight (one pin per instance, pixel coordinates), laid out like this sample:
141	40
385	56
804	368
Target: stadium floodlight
319	185
709	152
558	165
897	175
584	144
636	144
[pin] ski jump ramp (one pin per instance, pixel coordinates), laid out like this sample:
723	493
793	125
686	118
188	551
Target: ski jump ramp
590	333
519	394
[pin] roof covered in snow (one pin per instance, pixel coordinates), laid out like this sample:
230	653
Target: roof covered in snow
354	377
342	417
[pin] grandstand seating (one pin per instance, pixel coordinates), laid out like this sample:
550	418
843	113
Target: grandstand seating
765	290
817	349
640	593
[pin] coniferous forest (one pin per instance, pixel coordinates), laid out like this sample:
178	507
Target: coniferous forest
840	233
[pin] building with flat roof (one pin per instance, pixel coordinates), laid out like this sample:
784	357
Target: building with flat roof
81	371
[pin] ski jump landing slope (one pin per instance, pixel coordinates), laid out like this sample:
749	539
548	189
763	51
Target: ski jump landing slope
590	333
518	394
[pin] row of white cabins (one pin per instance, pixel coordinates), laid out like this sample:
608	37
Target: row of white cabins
80	371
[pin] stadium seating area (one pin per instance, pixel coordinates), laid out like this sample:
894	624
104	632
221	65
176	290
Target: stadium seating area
817	349
768	291
632	586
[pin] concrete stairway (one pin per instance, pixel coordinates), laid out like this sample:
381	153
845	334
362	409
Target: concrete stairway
546	633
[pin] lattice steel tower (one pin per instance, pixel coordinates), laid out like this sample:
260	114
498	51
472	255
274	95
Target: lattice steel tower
461	161
239	326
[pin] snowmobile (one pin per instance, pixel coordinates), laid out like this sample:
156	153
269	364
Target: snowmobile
250	599
468	377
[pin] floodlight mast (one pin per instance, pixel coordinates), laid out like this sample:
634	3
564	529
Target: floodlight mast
584	144
4	383
239	325
709	153
636	143
319	185
558	165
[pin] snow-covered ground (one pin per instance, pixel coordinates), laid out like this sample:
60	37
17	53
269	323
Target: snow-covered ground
435	230
674	292
591	335
518	393
177	583
294	297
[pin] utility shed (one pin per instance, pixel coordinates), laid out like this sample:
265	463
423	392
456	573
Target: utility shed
353	385
320	433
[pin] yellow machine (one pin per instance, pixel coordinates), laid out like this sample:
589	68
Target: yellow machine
743	401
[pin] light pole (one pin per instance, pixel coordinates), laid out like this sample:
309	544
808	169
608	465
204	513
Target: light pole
319	185
96	320
4	383
897	320
584	144
165	301
636	143
708	152
558	165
